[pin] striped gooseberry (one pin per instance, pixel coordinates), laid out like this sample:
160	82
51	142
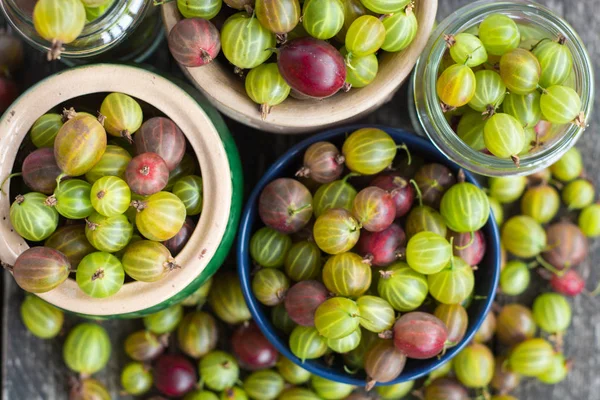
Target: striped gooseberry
504	380
323	163
322	19
374	209
336	231
32	218
453	284
365	36
164	321
465	208
337	194
368	151
499	34
507	189
489	91
302	300
525	108
144	345
561	105
148	261
515	278
347	343
40	269
281	320
72	199
456	86
269	247
531	358
445	388
313	68
110	196
578	194
59	22
40	171
79	145
569	166
264	385
520	71
515	324
497	210
433	180
558	371
555	60
425	219
93	13
391	392
87	348
486	329
279	16
402	192
296	393
383	363
89	388
360	71
540	203
569	284
346	274
197	334
160	216
352	10
474	366
270	285
227	300
42	319
420	335
552	313
174	375
428	253
589	220
44	130
114	162
382	248
108	234
504	137
456	320
122	115
470	248
252	349
199	8
377	315
100	275
303	261
330	390
285	205
567	246
466	48
385	6
161	136
266	87
198	298
306	343
147	174
136	378
400	30
402	287
245	42
189	190
292	373
177	243
337	317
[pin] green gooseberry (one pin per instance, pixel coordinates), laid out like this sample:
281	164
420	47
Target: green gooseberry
569	166
541	203
72	199
245	42
514	278
525	108
369	151
303	261
44	130
199	8
281	320
578	194
497	210
87	348
454	284
164	321
347	275
552	312
402	287
323	19
589	220
136	378
31	218
395	391
428	252
474	366
219	370
561	105
337	317
465	208
425	219
499	34
376	314
531	358
42	319
189	191
265	86
269	286
108	234
489	91
466	48
336	194
347	343
400	30
470	129
306	343
365	36
360	71
269	247
385	6
523	236
264	385
330	390
100	275
114	162
292	373
110	196
507	189
504	136
558	371
555	60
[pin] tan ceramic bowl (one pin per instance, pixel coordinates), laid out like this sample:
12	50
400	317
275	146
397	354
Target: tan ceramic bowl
226	91
212	146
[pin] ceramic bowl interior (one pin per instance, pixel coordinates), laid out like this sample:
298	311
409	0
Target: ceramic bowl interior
486	277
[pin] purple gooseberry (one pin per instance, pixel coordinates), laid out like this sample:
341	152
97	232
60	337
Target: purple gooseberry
302	300
252	349
161	136
174	375
567	245
323	163
40	171
402	192
374	209
194	42
382	248
285	205
420	335
472	250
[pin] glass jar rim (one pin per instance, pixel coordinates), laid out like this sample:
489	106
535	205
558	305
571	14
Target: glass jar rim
430	113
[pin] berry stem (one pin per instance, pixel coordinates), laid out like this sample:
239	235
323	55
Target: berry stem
466	246
8	178
404	147
418	190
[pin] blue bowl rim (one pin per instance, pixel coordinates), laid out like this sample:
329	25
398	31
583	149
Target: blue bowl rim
243	265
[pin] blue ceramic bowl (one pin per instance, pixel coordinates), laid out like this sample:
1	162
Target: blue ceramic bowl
486	277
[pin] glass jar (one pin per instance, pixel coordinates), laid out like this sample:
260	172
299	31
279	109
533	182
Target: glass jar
535	23
99	35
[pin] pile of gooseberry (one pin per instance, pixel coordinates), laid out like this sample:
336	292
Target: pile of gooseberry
62	21
505	93
103	204
350	264
321	46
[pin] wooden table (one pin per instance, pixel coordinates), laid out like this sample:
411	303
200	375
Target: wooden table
32	369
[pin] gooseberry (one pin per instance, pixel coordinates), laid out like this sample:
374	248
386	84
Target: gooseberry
114	162
515	278
374	209
456	319
163	137
323	163
578	194
555	60
164	321
265	86
32	218
382	248
523	236
499	34
44	130
569	284
369	151
504	137
285	205
515	324
561	105
270	286
252	349
456	86
383	363
227	300
322	19
531	358
453	284
87	348
160	216
336	231
59	22
100	275
420	335
428	253
306	343
122	115
174	375
42	319
474	366
108	234
433	180
552	313
520	71
402	287
194	42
